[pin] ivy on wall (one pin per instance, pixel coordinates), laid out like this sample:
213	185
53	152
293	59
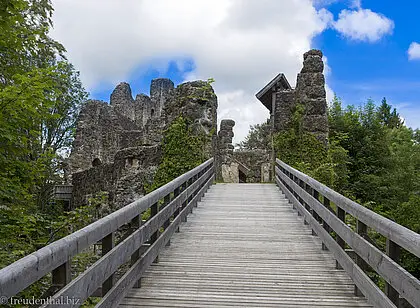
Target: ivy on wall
305	152
182	151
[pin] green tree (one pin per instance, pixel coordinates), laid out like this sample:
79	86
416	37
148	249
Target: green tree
40	95
388	118
259	137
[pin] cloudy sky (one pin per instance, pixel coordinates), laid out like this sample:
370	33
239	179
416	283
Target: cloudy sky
371	48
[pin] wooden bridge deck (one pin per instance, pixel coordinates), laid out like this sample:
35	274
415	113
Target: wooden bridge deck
244	246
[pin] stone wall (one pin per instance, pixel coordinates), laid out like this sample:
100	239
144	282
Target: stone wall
123	179
117	145
257	163
284	105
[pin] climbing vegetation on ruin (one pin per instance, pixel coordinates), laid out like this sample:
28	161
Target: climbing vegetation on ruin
372	158
182	151
305	152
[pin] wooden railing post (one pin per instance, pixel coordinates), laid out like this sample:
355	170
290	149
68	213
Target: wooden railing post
327	204
341	214
154	209
315	194
135	224
302	185
61	275
393	251
184	187
108	243
177	191
361	229
166	224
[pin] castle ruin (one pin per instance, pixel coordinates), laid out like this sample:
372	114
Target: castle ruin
281	101
117	147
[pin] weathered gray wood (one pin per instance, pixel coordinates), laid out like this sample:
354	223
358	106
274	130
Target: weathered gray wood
166	201
368	287
361	229
244	247
61	275
107	245
324	223
341	214
393	251
406	238
90	280
126	282
135	224
22	273
394	274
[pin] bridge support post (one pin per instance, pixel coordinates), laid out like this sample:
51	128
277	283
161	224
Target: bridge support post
315	194
108	243
166	201
61	275
302	184
361	229
177	191
393	251
327	204
154	209
341	214
135	224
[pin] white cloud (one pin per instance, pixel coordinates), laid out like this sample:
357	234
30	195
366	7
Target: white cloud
356	4
242	44
363	25
414	51
328	73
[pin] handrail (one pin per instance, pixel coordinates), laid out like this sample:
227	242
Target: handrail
406	238
174	199
303	191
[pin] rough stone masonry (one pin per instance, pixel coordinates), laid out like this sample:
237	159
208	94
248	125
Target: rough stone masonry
117	147
281	99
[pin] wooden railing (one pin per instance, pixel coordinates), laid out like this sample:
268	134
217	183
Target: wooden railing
313	201
169	206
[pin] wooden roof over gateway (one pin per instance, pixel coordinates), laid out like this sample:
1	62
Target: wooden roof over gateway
265	94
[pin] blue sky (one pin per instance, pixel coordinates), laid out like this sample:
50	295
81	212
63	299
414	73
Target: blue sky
243	44
362	70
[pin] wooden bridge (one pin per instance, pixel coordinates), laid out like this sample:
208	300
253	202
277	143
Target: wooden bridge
243	245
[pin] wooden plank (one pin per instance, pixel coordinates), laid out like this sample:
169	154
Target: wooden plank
134	273
393	273
244	247
368	287
108	243
24	272
86	283
406	238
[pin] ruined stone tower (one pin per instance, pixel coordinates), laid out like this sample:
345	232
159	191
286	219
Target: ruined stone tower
280	98
117	147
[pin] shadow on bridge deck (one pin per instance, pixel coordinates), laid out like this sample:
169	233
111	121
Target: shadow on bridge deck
244	246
